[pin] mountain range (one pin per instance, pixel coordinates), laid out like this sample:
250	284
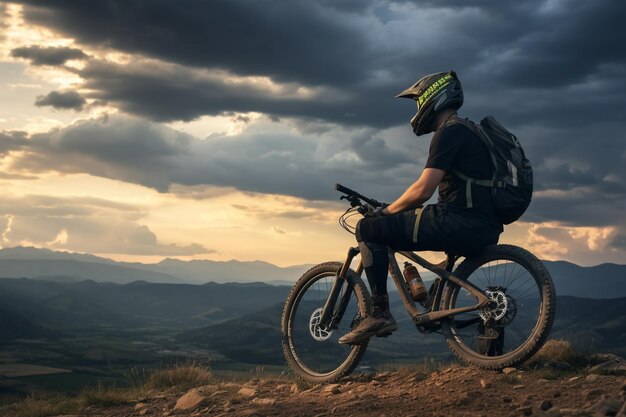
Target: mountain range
44	264
600	281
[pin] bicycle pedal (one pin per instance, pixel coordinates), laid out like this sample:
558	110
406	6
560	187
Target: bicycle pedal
383	334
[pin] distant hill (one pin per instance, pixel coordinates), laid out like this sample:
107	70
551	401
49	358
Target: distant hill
44	264
15	326
600	281
593	325
201	271
72	270
88	303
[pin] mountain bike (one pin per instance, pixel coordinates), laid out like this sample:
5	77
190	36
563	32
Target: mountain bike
495	309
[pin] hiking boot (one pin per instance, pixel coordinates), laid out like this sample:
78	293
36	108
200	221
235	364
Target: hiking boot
380	323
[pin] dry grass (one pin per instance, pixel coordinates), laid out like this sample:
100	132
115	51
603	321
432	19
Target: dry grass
561	351
180	377
558	350
36	406
105	396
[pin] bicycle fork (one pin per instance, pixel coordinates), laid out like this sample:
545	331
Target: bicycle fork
330	316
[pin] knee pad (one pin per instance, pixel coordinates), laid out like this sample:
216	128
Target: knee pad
369	251
367	259
357	232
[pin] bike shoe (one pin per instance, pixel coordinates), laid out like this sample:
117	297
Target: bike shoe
381	324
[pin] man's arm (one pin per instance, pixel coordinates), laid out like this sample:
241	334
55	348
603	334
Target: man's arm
419	192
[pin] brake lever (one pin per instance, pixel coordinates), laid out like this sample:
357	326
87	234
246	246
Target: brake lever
354	200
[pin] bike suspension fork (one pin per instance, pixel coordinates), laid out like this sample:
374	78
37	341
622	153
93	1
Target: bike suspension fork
329	317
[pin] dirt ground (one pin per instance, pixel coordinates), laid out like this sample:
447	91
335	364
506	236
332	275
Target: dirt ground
454	391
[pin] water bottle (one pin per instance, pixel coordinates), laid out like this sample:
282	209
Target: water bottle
414	281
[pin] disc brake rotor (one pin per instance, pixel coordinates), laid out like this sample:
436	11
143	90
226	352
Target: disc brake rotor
317	332
499	310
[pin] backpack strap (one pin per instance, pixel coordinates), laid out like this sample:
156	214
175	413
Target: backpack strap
483	183
469	180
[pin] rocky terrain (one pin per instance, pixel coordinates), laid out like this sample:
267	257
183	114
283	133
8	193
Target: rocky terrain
453	391
558	381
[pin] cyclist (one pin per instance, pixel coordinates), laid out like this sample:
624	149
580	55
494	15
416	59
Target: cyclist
456	223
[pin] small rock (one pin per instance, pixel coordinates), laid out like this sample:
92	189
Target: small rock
574	378
507	371
294	388
189	401
614	366
607	406
143	412
606	357
592	377
332	389
462	398
264	401
558	365
374	382
218	393
439	384
484	383
247	392
545	405
572	412
527	411
519	386
140	406
313	388
592	394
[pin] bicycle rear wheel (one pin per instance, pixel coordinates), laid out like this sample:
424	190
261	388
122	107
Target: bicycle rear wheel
517	325
313	353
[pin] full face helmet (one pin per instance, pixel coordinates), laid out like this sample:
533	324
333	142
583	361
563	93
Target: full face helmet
433	93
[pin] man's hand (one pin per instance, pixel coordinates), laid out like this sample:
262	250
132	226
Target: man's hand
380	211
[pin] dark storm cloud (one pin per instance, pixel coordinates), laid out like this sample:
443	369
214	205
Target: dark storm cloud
11	141
552	71
277	162
619	242
53	56
561	63
172	92
62	100
286	40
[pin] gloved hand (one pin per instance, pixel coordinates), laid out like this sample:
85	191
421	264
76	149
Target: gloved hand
379	211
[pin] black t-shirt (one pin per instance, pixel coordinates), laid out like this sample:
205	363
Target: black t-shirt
457	148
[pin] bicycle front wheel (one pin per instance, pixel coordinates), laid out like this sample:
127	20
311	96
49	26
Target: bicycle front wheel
519	320
312	352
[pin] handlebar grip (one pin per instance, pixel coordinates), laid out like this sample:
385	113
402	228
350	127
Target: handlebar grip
344	190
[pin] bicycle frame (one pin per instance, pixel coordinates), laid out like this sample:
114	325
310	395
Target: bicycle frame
330	316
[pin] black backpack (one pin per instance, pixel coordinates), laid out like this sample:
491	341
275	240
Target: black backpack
512	176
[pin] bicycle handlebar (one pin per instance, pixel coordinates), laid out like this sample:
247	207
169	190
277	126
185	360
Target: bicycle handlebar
351	193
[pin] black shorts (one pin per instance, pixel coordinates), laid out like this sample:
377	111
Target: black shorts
434	227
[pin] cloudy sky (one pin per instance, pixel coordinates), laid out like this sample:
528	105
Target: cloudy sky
216	129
